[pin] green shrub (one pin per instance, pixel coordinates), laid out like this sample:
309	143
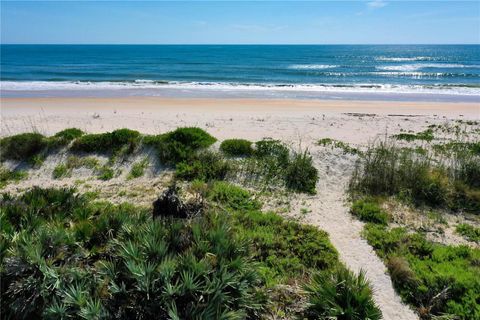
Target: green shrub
237	147
232	196
64	137
181	144
61	171
22	146
341	295
437	279
369	211
7	175
274	151
468	231
107	142
300	174
69	134
204	166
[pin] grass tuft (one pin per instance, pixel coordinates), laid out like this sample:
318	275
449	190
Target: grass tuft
341	295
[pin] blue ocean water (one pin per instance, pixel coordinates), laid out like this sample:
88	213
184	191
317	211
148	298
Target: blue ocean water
309	71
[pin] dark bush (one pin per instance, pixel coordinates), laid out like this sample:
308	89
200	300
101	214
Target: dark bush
22	146
300	174
341	295
237	147
169	204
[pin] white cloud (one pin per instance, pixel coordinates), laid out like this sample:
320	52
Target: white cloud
376	4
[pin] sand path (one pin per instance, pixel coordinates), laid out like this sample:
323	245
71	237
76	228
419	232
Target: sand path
330	212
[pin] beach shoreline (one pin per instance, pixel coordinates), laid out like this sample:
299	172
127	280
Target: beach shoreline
466	109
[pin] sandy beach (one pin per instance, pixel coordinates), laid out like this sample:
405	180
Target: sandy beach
251	119
299	123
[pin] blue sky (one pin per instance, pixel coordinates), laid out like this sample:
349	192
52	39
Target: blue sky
229	22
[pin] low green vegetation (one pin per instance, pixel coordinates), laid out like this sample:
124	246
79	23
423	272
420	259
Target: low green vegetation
205	165
64	256
468	231
237	147
438	280
341	295
138	169
426	135
339	145
116	262
236	198
7	176
369	210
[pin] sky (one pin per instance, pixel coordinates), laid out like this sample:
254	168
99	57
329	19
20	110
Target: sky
241	22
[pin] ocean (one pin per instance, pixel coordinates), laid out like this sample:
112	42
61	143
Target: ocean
383	72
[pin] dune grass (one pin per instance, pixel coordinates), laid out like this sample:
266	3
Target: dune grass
386	170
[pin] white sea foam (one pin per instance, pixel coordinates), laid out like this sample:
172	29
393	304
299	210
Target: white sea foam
312	66
419	66
399	59
156	86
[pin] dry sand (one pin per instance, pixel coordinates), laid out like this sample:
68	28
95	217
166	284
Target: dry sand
298	123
